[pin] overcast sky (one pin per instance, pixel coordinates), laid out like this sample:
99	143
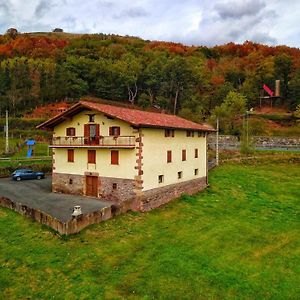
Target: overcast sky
202	22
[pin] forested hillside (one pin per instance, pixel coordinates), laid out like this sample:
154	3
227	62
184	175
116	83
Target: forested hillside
40	68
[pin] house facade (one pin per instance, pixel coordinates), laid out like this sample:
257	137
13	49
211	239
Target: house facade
126	155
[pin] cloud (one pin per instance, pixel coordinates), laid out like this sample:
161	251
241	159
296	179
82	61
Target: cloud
5	8
133	12
263	38
42	8
205	22
239	9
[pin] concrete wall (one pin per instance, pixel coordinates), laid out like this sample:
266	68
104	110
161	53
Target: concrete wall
155	147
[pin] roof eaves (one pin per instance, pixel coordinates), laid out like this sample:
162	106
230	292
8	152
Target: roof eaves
47	124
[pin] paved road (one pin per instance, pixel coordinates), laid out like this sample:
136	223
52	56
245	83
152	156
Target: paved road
37	194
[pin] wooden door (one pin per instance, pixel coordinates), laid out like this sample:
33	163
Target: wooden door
92	186
91	134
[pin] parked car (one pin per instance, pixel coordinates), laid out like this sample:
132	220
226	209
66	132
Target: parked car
22	174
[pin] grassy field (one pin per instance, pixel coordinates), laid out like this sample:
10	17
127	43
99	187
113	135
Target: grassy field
239	239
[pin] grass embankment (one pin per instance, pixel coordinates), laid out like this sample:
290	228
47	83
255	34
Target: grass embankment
39	161
238	239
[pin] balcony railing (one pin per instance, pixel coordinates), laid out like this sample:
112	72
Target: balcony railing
99	141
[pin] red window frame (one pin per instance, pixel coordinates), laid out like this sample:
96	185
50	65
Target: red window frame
114	157
169	132
169	156
183	155
114	131
70	131
70	155
190	133
91	156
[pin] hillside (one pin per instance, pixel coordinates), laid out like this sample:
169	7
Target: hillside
41	68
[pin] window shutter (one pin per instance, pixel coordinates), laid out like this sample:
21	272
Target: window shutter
111	131
97	129
114	157
91	156
169	156
118	131
183	155
70	131
86	130
70	155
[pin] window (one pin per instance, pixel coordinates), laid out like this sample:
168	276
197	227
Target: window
196	171
190	133
91	156
179	175
169	156
196	153
114	157
70	131
70	181
114	186
183	155
91	118
200	134
169	132
160	178
70	155
114	130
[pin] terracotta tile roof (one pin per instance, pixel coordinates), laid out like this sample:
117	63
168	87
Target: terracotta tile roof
134	117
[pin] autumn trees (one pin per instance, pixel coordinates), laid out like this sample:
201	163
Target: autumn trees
190	81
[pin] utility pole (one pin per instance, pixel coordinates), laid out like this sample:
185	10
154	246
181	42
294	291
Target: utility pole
6	133
247	127
217	143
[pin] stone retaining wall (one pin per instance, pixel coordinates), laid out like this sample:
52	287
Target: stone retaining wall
159	196
259	141
74	225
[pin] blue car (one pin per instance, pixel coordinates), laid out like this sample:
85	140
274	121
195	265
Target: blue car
22	174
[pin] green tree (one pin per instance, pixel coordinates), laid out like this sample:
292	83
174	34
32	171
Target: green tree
294	86
177	78
283	68
129	69
232	109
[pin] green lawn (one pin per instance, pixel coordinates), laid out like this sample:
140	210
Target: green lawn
240	239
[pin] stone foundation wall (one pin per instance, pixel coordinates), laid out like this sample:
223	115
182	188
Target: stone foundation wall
119	191
124	189
159	196
113	189
68	183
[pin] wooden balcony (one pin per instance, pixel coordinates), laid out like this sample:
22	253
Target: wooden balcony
126	142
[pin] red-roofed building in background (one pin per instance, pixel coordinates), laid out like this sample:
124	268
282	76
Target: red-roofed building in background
137	159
